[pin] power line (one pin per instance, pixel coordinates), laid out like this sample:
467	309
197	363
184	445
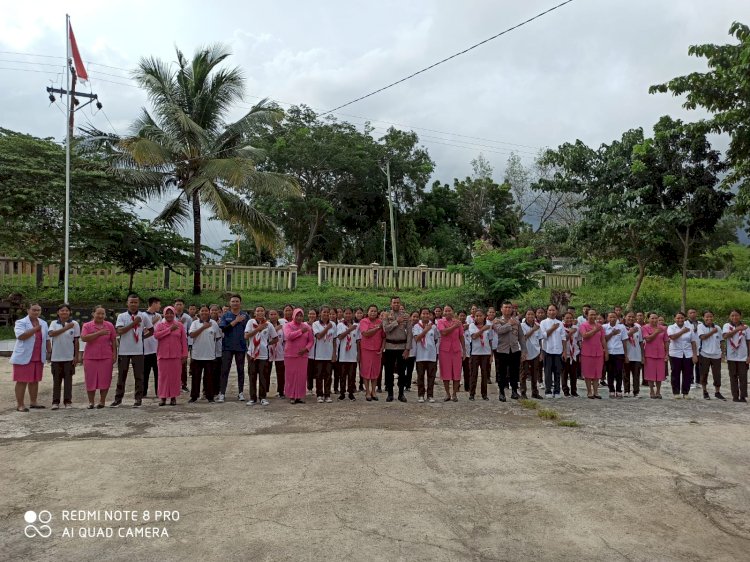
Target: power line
539	15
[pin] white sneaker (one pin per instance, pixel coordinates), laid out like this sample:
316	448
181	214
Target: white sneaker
556	395
548	395
264	402
220	398
320	399
241	396
329	400
431	400
250	402
420	400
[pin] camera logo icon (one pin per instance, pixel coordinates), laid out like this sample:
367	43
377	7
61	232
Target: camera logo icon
37	524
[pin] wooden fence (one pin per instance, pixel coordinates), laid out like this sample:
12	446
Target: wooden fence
220	277
562	280
376	275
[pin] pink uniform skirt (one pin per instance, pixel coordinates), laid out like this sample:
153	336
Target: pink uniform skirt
655	369
97	373
371	361
450	365
31	372
591	367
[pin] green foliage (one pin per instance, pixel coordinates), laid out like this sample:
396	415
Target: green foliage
529	404
502	274
658	294
32	202
723	92
568	423
547	414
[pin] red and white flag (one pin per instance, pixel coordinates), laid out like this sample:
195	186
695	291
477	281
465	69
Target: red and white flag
76	56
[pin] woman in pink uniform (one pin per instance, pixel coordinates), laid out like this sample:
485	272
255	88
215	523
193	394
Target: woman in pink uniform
656	354
298	341
371	348
28	357
170	356
451	353
100	354
593	353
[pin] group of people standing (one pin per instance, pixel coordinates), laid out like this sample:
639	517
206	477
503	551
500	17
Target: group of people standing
319	353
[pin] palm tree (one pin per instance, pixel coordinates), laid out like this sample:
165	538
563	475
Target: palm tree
186	144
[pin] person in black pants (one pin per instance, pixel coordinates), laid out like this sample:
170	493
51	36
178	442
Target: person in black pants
149	347
397	344
508	351
234	346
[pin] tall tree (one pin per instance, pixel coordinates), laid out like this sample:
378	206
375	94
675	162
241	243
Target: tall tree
186	144
724	91
681	168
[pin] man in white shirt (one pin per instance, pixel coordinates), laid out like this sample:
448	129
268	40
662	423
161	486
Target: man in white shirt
683	353
260	334
323	354
709	354
150	346
553	334
133	327
531	363
584	315
633	355
427	337
737	336
62	351
204	332
615	333
694	323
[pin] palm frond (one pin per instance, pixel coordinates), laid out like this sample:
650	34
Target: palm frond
230	207
176	212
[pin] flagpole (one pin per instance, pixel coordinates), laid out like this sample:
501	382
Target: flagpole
67	158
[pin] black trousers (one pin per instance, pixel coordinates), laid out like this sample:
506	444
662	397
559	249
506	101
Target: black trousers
201	370
149	363
226	364
394	362
507	370
410	362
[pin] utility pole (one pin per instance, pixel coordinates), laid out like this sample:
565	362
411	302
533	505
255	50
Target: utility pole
71	106
387	173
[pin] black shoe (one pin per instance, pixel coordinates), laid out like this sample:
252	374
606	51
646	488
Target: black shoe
341	396
368	398
115	404
743	400
501	397
566	392
351	397
575	394
705	395
537	396
471	397
281	395
736	400
401	398
447	399
173	402
390	398
185	389
523	395
375	398
378	389
361	388
485	397
192	401
718	396
515	396
211	401
137	404
163	403
298	401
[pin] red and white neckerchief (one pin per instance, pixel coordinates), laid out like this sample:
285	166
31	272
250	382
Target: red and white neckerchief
736	346
424	339
348	339
571	346
135	330
631	339
481	337
256	341
329	334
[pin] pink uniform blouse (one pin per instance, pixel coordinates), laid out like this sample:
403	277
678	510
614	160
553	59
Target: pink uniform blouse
172	343
591	347
101	347
371	343
295	340
452	342
655	348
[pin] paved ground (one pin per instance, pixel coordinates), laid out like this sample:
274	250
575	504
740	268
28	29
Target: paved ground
638	480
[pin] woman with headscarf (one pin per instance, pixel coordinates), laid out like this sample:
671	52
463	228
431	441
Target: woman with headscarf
99	355
28	356
452	352
171	355
593	354
298	341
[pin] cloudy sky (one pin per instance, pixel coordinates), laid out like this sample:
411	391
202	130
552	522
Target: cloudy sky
580	72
